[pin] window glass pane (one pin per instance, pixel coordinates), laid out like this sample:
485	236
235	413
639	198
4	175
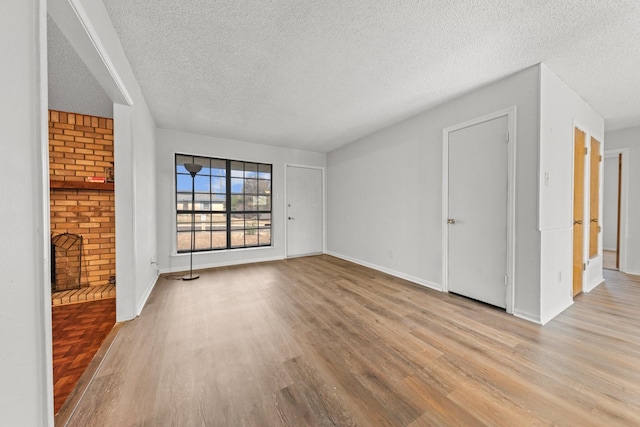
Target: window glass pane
180	161
264	171
219	202
264	220
264	203
250	170
219	222
237	202
264	187
202	222
203	202
237	222
265	236
250	203
237	185
203	240
218	167
183	183
203	184
218	184
237	239
250	186
219	240
184	222
205	163
184	241
237	169
183	201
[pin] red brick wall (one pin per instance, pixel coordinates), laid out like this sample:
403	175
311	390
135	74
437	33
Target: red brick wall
81	146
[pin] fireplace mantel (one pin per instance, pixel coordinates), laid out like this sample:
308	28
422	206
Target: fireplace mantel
56	184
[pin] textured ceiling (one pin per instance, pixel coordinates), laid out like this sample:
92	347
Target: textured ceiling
318	74
72	87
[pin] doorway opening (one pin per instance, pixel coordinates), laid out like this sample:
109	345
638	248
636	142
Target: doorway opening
613	210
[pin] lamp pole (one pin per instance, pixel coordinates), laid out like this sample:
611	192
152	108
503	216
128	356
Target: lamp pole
193	169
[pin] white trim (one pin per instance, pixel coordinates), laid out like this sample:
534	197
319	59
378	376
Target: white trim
84	20
324	207
46	214
549	316
534	318
147	294
624	203
413	279
510	113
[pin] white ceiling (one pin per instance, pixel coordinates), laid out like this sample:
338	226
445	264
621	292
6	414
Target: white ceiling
318	74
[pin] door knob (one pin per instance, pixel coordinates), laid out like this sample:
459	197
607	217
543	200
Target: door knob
291	218
577	221
451	221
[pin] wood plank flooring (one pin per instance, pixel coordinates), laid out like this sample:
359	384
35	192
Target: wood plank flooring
320	341
78	332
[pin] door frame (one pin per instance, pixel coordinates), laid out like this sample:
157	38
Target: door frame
322	170
585	205
623	203
510	113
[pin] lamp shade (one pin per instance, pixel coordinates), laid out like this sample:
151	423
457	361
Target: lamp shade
193	168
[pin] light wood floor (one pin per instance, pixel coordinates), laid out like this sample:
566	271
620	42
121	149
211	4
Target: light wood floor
319	341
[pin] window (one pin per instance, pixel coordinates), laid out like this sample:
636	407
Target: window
232	204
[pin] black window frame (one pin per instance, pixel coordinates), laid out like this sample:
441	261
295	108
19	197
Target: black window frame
248	212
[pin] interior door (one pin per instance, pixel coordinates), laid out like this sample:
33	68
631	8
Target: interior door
477	211
579	153
305	223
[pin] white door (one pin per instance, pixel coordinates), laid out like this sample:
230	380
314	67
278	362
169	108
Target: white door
304	211
477	211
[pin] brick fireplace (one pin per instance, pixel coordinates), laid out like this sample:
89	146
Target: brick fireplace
81	149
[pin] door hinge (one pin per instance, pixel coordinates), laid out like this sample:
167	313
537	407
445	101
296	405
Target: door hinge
599	229
586	150
584	266
507	140
506	280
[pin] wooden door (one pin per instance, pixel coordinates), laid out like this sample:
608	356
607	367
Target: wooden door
578	209
477	211
594	198
305	212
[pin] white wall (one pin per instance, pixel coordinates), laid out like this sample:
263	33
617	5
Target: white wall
385	190
560	110
630	138
134	148
610	204
26	397
171	142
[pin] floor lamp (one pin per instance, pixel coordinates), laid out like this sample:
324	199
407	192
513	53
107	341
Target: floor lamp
193	169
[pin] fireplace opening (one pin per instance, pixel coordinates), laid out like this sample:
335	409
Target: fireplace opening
66	262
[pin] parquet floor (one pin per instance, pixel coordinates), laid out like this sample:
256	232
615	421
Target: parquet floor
78	332
318	341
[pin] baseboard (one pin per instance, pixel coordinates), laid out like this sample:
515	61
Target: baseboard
547	317
389	271
594	284
530	317
220	264
143	302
